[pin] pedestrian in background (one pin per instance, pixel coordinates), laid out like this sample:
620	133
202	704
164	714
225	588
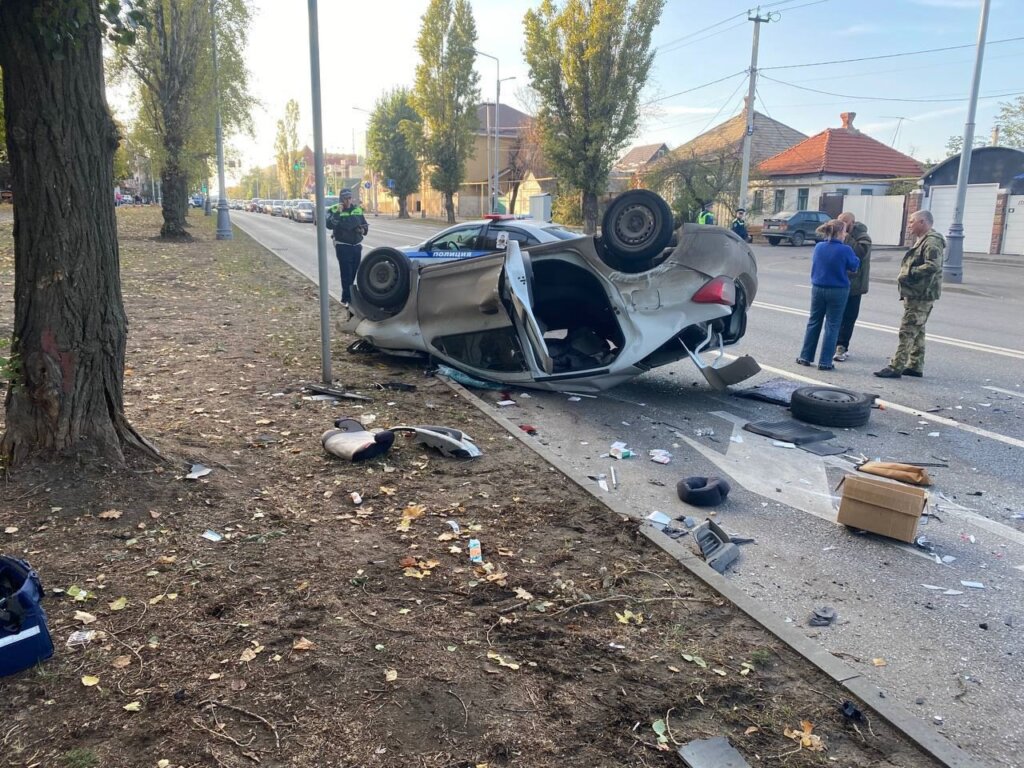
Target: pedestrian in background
739	225
920	284
859	240
348	226
706	216
831	263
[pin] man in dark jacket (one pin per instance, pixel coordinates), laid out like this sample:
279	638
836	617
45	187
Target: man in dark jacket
857	237
348	226
920	284
739	225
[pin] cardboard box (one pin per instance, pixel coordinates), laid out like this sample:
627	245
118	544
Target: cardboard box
881	506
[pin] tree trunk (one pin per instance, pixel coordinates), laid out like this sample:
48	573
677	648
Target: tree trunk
175	203
449	206
69	322
403	207
512	199
590	213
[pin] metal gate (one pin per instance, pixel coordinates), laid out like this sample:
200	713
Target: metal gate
883	216
979	212
1013	239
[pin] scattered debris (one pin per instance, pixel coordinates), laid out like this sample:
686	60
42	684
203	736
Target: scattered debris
822	617
805	737
454	526
703	491
711	753
906	473
350	440
659	520
475	552
356	498
618	450
783	444
660	456
83	637
340	394
399	386
615	478
789	431
452	443
776	391
851	712
505	403
718	550
211	535
972	584
197	471
529	429
704	432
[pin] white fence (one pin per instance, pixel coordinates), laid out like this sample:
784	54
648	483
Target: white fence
883	216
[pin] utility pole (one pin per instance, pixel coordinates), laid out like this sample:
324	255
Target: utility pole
323	277
748	135
953	267
223	217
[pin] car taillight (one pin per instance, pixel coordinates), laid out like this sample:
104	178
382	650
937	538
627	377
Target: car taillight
721	290
784	226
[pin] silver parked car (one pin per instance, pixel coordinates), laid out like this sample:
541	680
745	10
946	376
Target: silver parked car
584	313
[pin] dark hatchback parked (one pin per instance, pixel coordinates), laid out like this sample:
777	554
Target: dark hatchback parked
795	227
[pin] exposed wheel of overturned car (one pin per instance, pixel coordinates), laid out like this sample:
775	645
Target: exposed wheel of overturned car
383	278
831	406
636	227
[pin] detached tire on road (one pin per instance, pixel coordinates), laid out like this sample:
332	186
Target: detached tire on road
702	491
383	278
636	227
831	406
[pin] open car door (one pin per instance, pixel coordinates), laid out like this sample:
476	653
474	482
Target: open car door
519	291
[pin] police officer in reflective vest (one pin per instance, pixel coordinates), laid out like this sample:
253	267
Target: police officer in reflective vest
706	216
348	226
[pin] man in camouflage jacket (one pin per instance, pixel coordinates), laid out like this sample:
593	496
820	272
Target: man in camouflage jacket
920	284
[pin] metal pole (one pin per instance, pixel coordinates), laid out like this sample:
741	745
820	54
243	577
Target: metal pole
748	135
953	267
497	135
321	225
223	217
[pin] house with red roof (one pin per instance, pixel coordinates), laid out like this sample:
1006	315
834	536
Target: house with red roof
837	161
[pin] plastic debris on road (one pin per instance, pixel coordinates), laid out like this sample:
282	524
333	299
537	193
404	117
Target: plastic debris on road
660	456
198	470
212	535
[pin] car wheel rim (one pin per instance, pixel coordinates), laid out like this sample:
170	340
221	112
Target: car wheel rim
832	396
635	224
382	277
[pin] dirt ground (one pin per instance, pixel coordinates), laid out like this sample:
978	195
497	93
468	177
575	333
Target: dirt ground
319	632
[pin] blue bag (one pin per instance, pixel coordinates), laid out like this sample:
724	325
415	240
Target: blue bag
24	636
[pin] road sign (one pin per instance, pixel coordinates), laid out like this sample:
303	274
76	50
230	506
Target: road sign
367	184
391	183
204	189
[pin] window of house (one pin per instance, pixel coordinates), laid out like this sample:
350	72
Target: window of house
802	196
758	203
843	191
779	201
867	191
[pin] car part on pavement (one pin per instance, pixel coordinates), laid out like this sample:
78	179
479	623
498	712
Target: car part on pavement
788	431
715	545
350	440
822	617
831	406
703	491
338	393
778	391
636	227
711	753
452	443
383	278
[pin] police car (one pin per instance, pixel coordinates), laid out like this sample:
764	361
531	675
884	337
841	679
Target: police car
489	234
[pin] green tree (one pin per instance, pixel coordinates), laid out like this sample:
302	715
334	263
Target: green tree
589	61
172	63
286	151
446	94
70	327
1011	123
690	181
390	141
955	143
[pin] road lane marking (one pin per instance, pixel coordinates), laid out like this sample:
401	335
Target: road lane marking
972	345
906	409
1005	391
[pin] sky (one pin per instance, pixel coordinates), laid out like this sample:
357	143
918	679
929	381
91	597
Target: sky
913	102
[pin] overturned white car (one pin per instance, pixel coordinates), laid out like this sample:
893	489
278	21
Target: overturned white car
583	314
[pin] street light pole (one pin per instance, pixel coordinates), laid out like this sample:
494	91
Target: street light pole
497	144
493	181
321	226
223	217
953	267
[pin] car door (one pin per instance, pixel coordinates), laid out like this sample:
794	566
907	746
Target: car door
497	235
460	242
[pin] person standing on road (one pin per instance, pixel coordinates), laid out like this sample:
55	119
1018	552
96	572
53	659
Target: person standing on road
706	216
857	237
920	284
348	227
831	263
739	225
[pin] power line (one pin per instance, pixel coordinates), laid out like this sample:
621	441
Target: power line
891	55
887	98
695	88
660	48
678	46
724	105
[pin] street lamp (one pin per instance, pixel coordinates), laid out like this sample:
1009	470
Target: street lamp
497	100
223	217
497	144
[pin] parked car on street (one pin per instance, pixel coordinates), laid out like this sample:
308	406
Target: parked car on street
579	312
277	208
796	227
475	238
303	211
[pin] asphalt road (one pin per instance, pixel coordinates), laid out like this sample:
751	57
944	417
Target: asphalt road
955	660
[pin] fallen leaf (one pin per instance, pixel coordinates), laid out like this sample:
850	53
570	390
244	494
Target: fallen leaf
391	675
628	617
155	600
879	662
429	564
85	618
752	729
135	706
387	490
121	662
238	685
167	559
90	680
302	644
415	573
806	738
163	764
110	514
118	605
673	669
522	594
720	672
215	676
408	562
247	655
155	514
501	661
11	529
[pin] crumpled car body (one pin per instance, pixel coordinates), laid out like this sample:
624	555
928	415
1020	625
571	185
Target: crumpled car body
558	316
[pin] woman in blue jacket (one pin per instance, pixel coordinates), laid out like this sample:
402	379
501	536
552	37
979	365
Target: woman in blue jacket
830	287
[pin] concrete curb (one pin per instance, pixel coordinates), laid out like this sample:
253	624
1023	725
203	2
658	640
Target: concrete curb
918	732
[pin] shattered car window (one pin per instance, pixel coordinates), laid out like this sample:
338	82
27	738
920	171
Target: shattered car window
493	350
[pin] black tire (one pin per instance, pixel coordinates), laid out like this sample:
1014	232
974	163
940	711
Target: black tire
702	491
773	241
831	406
383	278
636	227
798	239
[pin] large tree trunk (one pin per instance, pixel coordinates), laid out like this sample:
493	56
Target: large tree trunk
69	322
449	206
175	202
514	197
590	213
403	207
